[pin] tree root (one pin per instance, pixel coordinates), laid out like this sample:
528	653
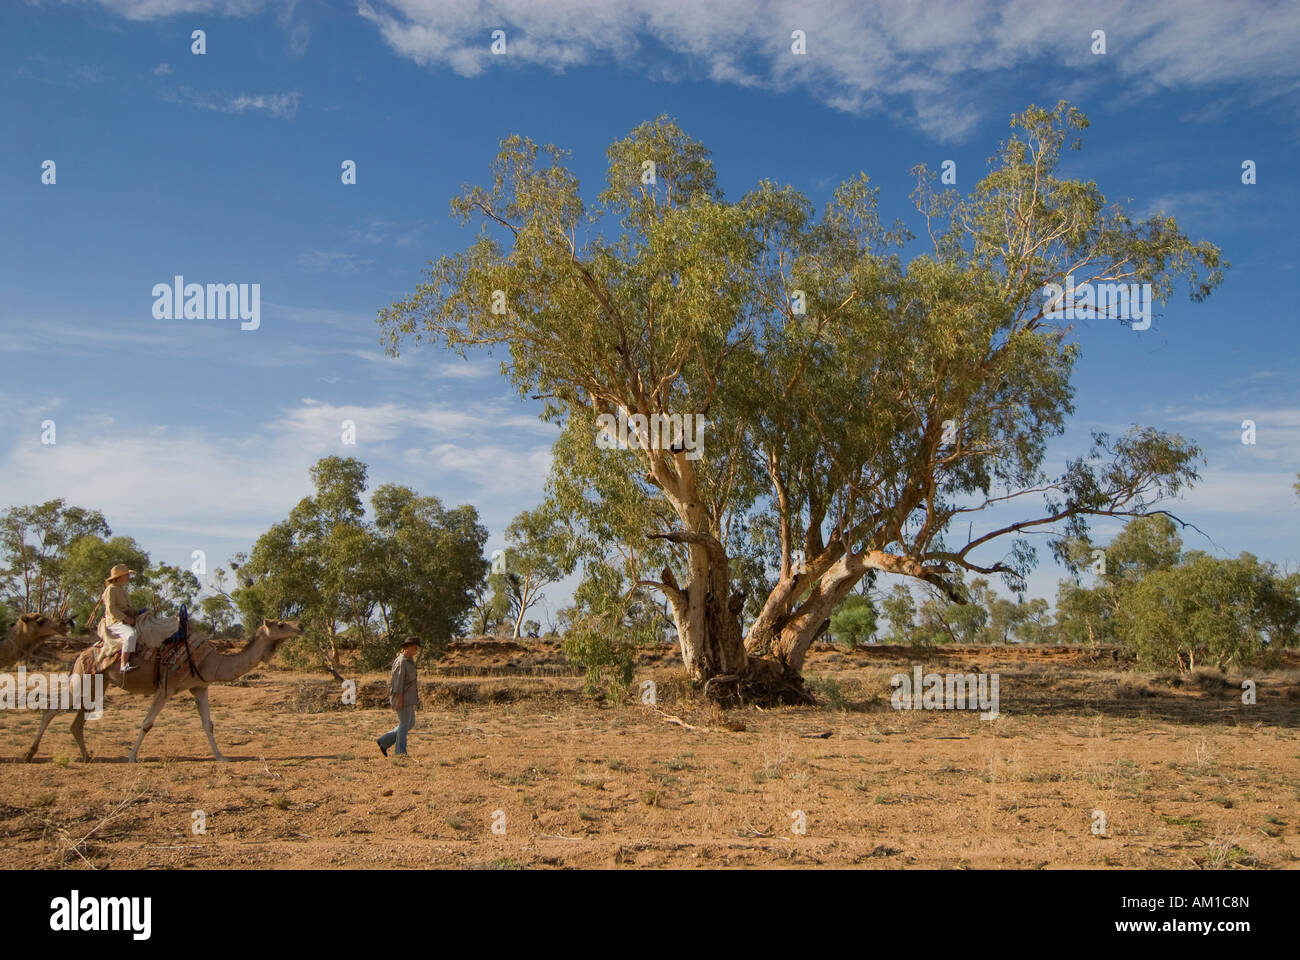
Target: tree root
726	678
767	683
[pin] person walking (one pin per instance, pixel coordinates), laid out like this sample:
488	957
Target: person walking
403	696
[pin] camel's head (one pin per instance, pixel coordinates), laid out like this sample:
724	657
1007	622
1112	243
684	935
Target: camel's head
280	630
39	625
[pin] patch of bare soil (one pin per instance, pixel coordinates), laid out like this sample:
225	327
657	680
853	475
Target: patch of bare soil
1088	764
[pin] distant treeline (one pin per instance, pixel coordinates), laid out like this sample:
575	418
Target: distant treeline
1171	607
360	583
357	583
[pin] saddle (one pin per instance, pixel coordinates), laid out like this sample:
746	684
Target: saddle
156	655
151	631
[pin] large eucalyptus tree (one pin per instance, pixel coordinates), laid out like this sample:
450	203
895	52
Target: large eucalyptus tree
858	409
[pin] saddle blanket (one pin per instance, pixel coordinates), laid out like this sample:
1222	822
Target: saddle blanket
150	631
172	661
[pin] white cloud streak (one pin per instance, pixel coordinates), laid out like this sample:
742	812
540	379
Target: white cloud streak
928	63
332	261
200	483
281	105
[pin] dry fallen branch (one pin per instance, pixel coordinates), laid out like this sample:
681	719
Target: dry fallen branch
669	718
75	845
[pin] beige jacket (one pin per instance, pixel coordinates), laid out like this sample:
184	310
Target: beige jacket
117	603
402	681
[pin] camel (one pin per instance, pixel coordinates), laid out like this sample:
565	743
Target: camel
215	668
26	635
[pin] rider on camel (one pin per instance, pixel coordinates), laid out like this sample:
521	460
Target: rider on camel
117	612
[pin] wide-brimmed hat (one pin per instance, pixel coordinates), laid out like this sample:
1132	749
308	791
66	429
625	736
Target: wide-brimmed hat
119	570
412	641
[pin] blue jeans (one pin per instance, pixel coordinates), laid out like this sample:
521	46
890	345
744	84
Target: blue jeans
405	721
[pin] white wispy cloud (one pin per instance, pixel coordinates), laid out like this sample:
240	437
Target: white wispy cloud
1223	490
313	317
496	469
377	232
296	30
1276	431
375	423
1188	205
192	480
283	105
466	370
930	63
56	71
1282	416
384	422
161	9
203	486
891	55
332	261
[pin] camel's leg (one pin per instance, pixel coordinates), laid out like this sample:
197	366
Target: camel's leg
155	708
74	676
78	725
200	695
46	717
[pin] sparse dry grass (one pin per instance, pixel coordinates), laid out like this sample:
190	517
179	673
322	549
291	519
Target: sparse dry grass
1184	775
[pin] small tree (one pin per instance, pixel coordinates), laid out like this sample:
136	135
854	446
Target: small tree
316	566
217	614
962	619
432	563
604	627
1083	615
363	584
87	563
34	545
169	588
541	551
1207	610
1004	618
1089	614
900	611
1036	626
490	607
854	620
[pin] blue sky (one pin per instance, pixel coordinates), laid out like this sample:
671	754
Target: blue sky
225	168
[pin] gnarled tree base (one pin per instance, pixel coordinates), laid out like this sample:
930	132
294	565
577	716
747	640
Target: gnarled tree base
765	683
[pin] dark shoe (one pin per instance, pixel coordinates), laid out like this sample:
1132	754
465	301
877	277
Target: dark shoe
382	749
